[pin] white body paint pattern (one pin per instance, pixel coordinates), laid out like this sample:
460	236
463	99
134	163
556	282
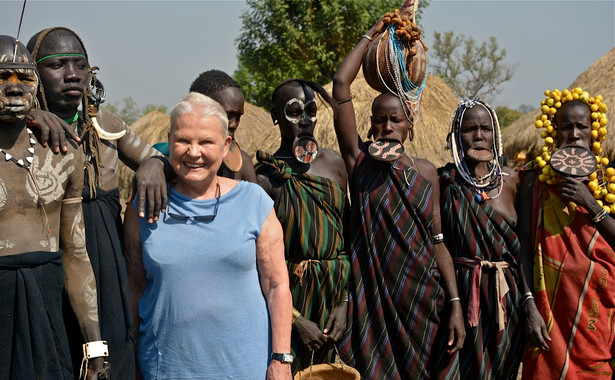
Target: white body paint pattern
78	234
6	244
2	194
50	179
52	244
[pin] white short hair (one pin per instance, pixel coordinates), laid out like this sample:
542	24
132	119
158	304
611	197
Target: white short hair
200	105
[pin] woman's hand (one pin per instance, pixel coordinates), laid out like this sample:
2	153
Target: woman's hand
336	322
535	328
576	191
376	28
279	371
457	331
53	129
310	334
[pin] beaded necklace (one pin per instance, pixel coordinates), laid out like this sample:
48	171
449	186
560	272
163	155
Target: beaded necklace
493	179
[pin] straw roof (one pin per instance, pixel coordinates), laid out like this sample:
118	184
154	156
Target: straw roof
257	132
437	106
521	137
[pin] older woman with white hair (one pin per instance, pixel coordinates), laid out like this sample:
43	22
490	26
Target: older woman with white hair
208	280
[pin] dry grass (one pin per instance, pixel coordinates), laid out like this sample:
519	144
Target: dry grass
438	104
257	132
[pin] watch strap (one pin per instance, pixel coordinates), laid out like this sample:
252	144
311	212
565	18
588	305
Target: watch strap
282	357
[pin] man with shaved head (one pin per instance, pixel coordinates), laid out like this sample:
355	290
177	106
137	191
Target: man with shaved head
42	243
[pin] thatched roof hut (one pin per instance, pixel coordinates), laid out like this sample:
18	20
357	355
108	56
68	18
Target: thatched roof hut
257	132
437	106
521	139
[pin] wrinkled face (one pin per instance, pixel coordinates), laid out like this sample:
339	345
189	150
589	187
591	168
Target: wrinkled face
197	146
476	131
295	110
388	119
573	122
64	77
17	93
231	99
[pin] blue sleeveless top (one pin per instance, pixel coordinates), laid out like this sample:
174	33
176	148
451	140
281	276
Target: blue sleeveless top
203	314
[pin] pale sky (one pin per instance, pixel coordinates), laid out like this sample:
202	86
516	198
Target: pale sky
153	50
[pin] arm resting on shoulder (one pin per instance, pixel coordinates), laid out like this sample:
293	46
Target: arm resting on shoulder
53	129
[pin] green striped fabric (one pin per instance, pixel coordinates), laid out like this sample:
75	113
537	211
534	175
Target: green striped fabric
311	210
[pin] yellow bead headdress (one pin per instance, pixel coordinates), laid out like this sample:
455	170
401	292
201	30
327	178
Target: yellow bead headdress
601	182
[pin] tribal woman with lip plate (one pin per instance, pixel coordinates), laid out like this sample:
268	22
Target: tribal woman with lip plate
42	242
308	186
478	221
66	76
567	236
395	242
209	275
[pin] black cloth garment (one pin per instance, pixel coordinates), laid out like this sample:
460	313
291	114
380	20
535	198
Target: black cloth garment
103	229
33	341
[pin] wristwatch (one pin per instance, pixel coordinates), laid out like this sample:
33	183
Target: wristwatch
284	357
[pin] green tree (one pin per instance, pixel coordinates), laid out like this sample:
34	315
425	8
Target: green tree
525	108
130	112
154	107
507	116
307	39
472	70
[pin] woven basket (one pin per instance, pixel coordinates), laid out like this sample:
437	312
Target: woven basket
328	371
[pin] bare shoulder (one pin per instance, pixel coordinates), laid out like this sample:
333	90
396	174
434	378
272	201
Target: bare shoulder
59	163
425	167
272	187
264	181
511	179
110	122
226	184
330	164
331	156
247	172
512	174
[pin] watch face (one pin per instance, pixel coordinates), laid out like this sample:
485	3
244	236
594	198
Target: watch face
284	358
